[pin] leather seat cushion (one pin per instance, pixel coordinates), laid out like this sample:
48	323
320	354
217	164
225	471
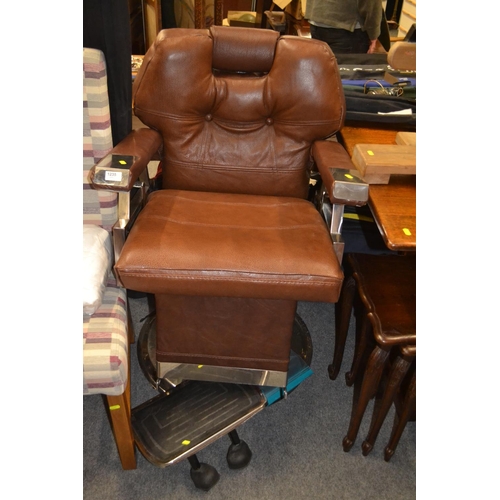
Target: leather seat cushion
231	245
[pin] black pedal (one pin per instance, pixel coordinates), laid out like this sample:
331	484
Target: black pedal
170	428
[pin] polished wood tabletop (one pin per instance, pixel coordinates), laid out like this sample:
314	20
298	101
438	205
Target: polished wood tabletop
393	205
394	209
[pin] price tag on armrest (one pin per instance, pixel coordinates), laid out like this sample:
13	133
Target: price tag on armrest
113	170
113	176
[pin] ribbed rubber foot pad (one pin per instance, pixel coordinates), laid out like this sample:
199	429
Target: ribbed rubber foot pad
169	428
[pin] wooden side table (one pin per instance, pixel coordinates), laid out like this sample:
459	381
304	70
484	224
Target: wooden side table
393	205
382	291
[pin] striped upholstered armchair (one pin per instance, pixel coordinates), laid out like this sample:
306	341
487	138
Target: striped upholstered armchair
106	332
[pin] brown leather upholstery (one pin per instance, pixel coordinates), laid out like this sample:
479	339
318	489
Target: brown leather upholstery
229	245
235	132
192	243
258	336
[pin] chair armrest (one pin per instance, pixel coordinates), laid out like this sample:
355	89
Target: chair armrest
339	175
120	169
341	184
136	150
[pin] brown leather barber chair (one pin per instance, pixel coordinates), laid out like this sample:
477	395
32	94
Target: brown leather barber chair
230	243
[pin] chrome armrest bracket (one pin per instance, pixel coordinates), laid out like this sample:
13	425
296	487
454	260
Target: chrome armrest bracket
347	189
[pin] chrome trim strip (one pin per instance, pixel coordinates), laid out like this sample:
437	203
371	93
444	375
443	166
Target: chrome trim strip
175	373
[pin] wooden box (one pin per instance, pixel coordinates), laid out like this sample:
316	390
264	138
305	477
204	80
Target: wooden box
406	138
376	162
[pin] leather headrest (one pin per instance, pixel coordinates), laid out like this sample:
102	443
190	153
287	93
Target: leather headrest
243	49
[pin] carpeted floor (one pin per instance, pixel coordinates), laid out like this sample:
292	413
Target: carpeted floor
296	443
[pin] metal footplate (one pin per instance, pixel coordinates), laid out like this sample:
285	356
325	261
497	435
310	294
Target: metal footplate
172	427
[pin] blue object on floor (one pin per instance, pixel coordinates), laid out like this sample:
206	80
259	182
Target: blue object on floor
298	371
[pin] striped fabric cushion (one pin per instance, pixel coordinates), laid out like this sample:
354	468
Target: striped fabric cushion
105	345
105	339
99	207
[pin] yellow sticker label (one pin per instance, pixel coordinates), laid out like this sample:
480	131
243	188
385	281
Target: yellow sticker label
186	442
358	217
406	231
123	162
114	407
349	176
370	152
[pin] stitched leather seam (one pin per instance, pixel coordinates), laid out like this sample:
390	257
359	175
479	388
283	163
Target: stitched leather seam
201	118
252	204
238	168
233	226
231	278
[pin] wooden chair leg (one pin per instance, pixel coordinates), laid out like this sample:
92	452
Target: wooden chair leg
408	409
343	310
363	331
362	395
398	371
130	329
119	411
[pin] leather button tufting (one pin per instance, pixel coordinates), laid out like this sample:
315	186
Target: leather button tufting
269	121
209	117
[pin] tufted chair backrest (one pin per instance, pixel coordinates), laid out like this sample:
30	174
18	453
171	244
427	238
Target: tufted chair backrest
238	108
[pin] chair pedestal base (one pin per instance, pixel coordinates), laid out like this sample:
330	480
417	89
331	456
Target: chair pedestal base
168	429
223	339
301	346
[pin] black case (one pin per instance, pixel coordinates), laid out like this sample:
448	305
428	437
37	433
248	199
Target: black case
363	109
